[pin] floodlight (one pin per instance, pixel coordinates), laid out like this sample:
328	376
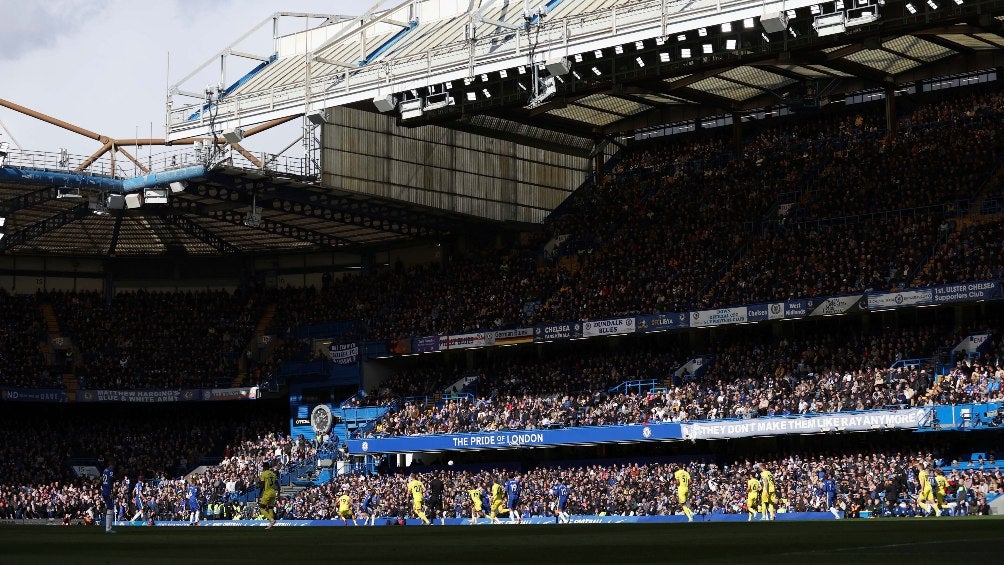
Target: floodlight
472	96
727	27
155	195
639	45
233	135
640	61
385	103
619	49
911	8
411	108
681	37
730	44
178	186
685	53
67	193
134	200
748	23
317	118
596	71
703	32
578	57
486	93
2	221
664	57
598	54
932	4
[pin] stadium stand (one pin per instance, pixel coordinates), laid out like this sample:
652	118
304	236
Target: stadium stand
743	377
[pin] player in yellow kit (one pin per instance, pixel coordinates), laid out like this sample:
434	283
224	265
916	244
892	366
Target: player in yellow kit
940	488
682	478
417	490
925	493
498	502
269	491
753	489
477	507
345	509
768	495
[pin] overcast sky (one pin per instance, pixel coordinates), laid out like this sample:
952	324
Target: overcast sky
103	64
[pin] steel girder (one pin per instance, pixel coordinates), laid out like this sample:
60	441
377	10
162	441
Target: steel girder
236	218
195	230
45	226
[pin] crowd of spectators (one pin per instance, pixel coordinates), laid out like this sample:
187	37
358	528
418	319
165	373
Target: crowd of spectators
22	335
805	209
869	480
742	377
153	440
974	254
157	339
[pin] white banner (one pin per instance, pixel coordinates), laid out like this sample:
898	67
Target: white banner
344	354
608	327
465	341
690	367
518	335
775	311
836	305
721	316
836	422
972	343
897	299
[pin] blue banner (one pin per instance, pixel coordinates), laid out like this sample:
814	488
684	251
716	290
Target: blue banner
551	332
944	294
662	322
425	344
535	520
519	438
34	395
983	290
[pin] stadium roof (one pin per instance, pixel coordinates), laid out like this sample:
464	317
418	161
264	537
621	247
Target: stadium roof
633	63
211	216
652	68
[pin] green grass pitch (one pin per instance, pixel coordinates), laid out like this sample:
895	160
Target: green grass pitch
946	540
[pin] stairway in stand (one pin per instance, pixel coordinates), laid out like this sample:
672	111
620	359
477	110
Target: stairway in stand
70	382
263	324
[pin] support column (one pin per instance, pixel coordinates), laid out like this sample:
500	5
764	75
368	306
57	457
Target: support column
598	171
890	112
737	133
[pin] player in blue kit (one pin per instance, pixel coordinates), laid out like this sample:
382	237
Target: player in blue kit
513	491
368	507
138	501
829	490
560	493
107	482
193	502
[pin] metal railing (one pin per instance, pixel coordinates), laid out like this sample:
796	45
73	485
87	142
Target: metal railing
67	163
561	35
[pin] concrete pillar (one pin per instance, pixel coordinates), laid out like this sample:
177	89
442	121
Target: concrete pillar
890	111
